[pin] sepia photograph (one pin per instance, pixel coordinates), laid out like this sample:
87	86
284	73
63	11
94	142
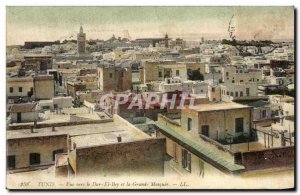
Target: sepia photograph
150	97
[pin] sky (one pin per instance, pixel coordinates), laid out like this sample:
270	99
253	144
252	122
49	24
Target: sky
191	23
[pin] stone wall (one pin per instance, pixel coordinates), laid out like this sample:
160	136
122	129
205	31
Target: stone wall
44	89
44	145
117	79
145	157
269	158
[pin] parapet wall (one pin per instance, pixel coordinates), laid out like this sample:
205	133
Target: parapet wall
269	158
144	157
58	124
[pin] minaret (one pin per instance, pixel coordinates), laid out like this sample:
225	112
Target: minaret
81	29
166	40
81	41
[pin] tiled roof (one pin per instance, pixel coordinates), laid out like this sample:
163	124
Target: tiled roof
201	151
28	107
259	103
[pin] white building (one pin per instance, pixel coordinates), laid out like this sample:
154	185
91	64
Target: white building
178	70
55	103
176	84
143	55
239	90
261	110
233	74
21	113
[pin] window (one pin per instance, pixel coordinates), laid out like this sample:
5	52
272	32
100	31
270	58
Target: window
205	130
19	117
168	74
227	74
227	93
241	81
11	90
159	74
110	75
264	114
177	72
46	107
201	166
213	89
35	158
175	152
241	94
247	91
186	160
236	94
56	152
11	162
231	94
189	124
233	81
239	125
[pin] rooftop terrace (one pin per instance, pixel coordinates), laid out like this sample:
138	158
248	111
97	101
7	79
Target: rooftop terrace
86	135
218	106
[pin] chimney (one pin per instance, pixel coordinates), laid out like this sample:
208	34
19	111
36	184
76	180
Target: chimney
32	130
119	138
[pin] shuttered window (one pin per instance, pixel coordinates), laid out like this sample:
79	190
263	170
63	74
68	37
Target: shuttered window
186	160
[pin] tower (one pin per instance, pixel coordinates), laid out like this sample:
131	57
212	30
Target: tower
167	40
81	41
126	35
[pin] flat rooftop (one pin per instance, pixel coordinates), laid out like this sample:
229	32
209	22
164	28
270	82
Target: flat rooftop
85	135
172	65
71	130
108	137
77	114
218	106
243	147
19	79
